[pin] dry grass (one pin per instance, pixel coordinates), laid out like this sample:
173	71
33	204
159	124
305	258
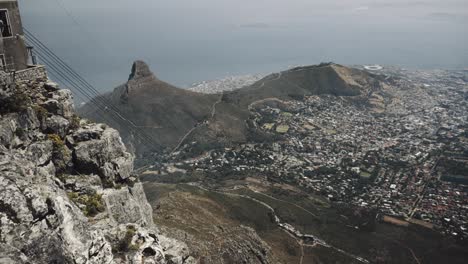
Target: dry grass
395	221
421	223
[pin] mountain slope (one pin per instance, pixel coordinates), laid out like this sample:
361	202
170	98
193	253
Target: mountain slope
327	78
229	123
161	111
173	117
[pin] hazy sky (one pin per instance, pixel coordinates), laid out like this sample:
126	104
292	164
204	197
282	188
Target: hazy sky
186	40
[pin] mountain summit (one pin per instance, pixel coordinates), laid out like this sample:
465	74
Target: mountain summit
140	70
152	109
326	78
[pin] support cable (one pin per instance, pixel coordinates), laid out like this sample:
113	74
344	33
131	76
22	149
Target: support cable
107	104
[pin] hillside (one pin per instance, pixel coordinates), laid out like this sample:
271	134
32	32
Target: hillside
173	117
230	120
319	164
326	78
161	111
326	179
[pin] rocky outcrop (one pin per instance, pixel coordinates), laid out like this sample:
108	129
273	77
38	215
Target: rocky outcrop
150	114
67	193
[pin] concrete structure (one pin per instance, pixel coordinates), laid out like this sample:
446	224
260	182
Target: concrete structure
13	51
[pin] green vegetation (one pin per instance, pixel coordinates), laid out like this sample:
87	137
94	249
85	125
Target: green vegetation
93	203
61	176
60	153
364	174
17	102
268	126
75	122
108	183
125	244
19	132
56	140
282	129
41	112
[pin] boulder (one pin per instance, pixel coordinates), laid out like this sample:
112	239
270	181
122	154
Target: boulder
28	120
105	154
57	125
128	205
60	103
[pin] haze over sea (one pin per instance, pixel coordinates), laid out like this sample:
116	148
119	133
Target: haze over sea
186	41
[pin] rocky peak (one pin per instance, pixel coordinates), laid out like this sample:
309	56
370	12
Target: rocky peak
67	192
140	79
140	70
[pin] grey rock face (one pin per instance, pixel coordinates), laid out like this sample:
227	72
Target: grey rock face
68	195
139	70
60	103
128	205
103	153
7	129
28	119
57	125
40	152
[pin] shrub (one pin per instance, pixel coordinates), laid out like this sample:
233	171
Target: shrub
125	244
19	132
17	102
56	140
107	183
73	196
60	153
75	122
61	176
93	204
41	112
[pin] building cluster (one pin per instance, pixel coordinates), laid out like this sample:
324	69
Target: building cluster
225	84
397	161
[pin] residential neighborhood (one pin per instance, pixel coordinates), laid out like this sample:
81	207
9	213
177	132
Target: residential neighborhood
394	160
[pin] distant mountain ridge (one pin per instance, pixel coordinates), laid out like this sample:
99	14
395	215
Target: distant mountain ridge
173	117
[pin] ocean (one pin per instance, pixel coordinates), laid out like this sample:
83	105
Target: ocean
190	41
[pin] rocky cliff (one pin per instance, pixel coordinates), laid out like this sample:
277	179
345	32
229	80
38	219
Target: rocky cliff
67	193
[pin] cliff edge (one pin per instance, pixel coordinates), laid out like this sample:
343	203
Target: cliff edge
67	192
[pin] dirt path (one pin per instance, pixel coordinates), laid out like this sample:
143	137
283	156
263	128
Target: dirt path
291	203
213	108
213	113
302	253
